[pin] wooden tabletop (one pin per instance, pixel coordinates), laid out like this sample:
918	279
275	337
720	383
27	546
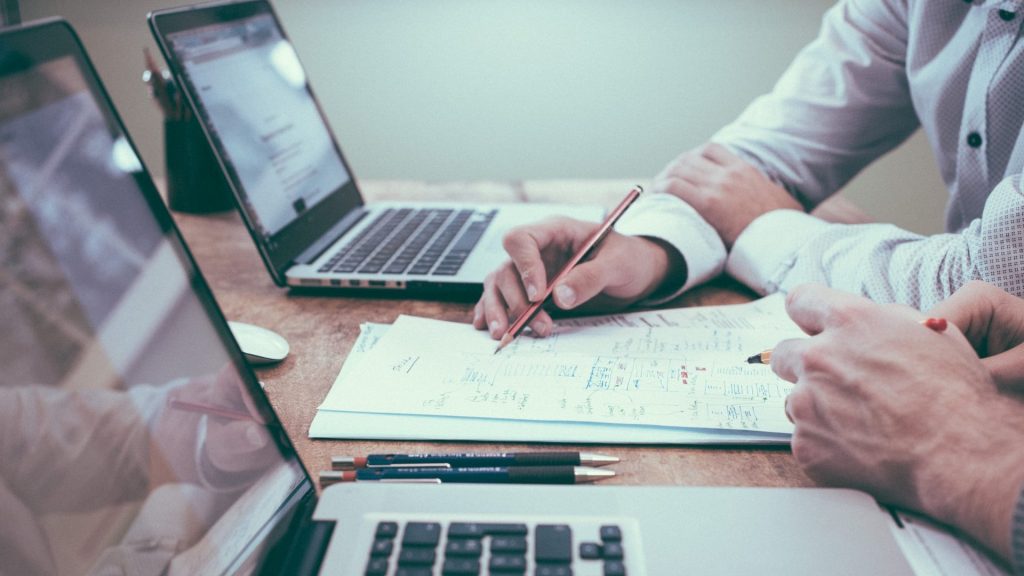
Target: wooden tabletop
322	329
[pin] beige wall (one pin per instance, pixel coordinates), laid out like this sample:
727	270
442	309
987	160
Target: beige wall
474	89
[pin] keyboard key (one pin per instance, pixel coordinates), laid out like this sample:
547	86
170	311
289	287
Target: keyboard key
548	570
421	534
508	545
417	557
506	563
460	567
611	533
614	568
478	529
612	551
414	571
590	550
468	547
382	547
553	543
387	529
377	567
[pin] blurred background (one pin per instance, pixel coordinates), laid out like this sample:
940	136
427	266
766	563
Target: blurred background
521	89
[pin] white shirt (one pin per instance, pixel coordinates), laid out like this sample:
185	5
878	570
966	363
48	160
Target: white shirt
878	70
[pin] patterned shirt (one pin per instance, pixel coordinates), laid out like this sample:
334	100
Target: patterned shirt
878	70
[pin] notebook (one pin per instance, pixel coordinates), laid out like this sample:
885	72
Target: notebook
134	438
296	191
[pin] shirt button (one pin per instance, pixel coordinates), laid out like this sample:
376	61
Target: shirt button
974	139
1006	15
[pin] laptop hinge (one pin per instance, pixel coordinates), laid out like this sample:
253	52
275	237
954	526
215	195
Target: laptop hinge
306	557
309	255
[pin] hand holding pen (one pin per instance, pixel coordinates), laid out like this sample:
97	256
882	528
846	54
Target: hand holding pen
589	245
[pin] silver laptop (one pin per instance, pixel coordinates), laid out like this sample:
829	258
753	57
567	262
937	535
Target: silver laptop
134	438
294	187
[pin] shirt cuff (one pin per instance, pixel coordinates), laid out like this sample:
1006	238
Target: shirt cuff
669	219
767	248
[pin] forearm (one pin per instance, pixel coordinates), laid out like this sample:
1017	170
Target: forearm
980	498
842	103
54	442
783	249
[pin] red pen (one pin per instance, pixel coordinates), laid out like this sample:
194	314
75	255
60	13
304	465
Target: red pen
936	324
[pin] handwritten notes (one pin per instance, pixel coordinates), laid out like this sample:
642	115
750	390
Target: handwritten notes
678	368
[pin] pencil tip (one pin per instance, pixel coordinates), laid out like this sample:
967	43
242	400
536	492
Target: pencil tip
755	359
504	342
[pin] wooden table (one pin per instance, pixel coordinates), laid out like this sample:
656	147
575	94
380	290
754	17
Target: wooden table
321	330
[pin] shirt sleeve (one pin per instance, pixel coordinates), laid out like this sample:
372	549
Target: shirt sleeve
843	102
882	261
671	220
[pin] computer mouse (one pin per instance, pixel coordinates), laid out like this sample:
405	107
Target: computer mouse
259	345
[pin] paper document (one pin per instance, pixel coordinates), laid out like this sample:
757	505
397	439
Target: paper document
685	369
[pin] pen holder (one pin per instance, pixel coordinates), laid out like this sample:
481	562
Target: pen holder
195	182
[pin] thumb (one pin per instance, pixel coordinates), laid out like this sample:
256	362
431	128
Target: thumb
1007	369
581	284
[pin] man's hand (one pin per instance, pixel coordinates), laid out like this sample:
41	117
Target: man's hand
886	405
727	191
993	321
624	269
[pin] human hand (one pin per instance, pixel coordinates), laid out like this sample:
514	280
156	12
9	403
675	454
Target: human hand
221	445
993	321
622	270
727	191
886	405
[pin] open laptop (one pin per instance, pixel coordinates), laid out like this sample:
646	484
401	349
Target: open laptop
294	188
134	438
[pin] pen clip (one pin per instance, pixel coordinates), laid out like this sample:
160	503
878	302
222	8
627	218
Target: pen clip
411	481
414	465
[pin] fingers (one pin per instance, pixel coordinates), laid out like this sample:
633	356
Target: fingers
719	154
991	319
1007	369
525	246
504	299
787	359
815	307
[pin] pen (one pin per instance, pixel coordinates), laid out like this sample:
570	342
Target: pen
462	460
578	257
485	474
209	410
936	324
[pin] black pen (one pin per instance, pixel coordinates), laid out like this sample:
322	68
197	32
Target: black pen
463	460
486	474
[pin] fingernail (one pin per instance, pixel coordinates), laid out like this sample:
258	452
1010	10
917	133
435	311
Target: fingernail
566	295
495	327
531	292
476	316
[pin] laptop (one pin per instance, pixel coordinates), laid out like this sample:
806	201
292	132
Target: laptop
134	438
294	188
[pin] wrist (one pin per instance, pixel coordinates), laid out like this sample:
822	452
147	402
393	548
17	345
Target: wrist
668	269
976	483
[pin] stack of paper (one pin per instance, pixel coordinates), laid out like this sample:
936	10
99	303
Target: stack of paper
669	376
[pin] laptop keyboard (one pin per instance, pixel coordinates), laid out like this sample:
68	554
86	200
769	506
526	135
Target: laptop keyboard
412	241
471	548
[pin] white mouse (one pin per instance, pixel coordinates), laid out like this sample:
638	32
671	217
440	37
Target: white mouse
259	345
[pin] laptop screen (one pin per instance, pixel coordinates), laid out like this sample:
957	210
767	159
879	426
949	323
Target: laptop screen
252	96
132	437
